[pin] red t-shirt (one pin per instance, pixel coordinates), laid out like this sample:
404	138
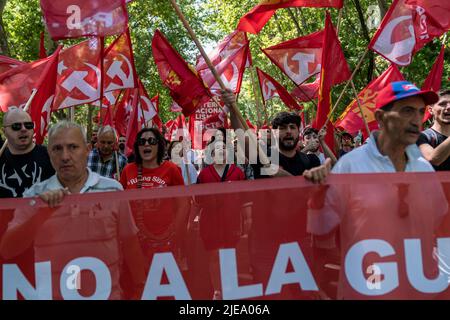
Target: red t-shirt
152	216
166	175
210	175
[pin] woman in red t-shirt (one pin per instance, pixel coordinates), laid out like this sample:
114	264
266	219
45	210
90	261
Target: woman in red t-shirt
154	218
220	220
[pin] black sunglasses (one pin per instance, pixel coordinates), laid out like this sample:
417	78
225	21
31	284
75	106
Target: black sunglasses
18	125
151	141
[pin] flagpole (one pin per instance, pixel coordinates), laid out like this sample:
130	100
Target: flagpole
27	106
358	66
338	28
360	108
102	67
257	101
207	60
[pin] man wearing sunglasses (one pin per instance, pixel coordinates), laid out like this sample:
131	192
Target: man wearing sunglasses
23	163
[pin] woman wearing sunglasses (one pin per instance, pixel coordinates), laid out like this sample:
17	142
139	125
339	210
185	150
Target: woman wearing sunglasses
154	218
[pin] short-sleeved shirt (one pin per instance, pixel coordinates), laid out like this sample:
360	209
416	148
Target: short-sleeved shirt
166	175
299	163
434	139
106	168
81	230
19	172
210	175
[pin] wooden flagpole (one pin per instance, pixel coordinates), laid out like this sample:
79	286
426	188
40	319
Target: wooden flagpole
360	107
257	101
358	66
27	106
207	60
102	70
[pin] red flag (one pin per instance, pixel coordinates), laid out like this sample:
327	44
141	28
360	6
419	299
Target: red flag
120	72
7	63
408	26
299	58
434	79
133	126
351	119
41	106
148	109
185	86
17	83
334	70
123	112
79	18
42	51
230	59
255	19
271	88
78	74
307	91
209	116
175	107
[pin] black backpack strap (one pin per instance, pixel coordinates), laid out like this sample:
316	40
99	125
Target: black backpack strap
225	172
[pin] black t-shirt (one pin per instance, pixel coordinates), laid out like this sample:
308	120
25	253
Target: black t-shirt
434	138
299	163
19	172
295	165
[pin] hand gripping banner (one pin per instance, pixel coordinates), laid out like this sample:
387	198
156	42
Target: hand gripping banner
370	236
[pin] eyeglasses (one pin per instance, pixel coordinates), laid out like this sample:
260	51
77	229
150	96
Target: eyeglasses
17	126
151	141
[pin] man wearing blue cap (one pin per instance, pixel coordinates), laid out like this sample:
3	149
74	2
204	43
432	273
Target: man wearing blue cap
400	107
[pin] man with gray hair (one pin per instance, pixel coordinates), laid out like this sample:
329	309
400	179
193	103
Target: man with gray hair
103	159
62	233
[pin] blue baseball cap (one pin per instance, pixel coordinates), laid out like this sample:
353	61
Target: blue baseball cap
400	90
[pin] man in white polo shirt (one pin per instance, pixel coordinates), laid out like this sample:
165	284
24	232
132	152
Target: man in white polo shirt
62	233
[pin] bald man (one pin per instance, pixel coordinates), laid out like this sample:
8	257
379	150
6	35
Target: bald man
23	163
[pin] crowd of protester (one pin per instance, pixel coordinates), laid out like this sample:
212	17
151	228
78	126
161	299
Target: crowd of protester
71	165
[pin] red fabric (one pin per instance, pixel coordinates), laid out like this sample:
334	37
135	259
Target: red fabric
299	58
307	91
351	119
408	26
41	106
229	60
271	88
334	70
42	51
7	63
209	116
210	175
78	18
186	88
119	68
255	19
133	125
166	175
78	74
434	79
17	83
369	207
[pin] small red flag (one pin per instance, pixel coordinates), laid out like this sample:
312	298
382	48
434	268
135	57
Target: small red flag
271	88
255	19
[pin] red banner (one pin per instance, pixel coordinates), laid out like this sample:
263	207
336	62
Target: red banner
238	240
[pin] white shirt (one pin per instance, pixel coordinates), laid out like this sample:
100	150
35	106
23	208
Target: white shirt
368	159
